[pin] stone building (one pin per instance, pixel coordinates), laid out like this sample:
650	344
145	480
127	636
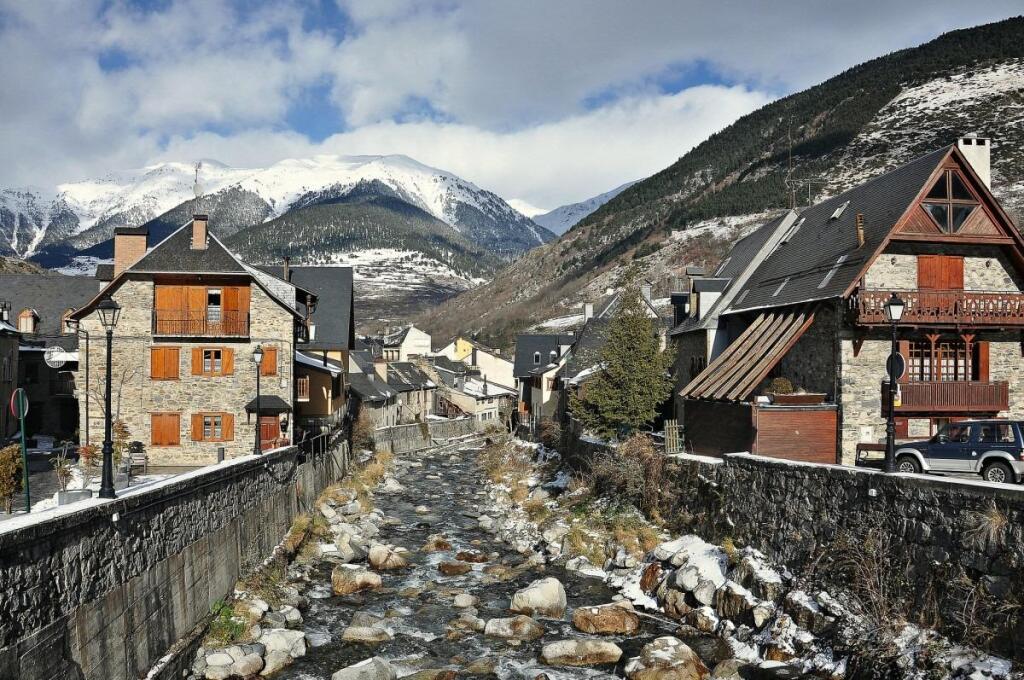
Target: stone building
405	344
183	378
802	298
486	361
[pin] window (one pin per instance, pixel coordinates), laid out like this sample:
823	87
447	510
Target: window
27	321
994	433
781	286
839	211
164	362
950	202
269	364
536	358
832	271
165	429
957	433
213	305
213	427
944	361
554	356
213	361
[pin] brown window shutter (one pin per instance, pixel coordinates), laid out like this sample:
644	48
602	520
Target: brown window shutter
173	427
172	362
227	361
904	348
197	361
156	429
983	373
197	427
269	365
229	426
156	364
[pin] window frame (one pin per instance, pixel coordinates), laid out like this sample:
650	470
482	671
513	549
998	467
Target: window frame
216	364
949	203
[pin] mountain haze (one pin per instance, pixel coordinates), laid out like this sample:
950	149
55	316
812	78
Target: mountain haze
863	122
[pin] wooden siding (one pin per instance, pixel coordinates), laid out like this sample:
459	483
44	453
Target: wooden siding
712	428
805	434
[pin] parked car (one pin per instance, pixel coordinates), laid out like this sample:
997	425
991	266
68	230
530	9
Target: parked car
992	448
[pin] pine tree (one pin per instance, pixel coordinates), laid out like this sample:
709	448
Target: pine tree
634	378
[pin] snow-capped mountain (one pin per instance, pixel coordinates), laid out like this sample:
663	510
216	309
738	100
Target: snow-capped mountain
82	214
561	219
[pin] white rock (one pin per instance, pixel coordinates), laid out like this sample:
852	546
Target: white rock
763	612
421	510
247	666
669	657
464	600
374	668
704	619
580	653
544	597
293	642
581	565
292	616
514	628
220	658
275	661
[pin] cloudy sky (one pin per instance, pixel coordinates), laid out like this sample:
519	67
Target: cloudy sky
544	101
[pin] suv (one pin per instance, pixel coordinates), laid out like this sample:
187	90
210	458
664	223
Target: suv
992	448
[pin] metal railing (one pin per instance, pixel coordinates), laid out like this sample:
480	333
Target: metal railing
179	323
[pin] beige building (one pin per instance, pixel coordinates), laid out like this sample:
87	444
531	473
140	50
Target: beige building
183	378
488	362
406	344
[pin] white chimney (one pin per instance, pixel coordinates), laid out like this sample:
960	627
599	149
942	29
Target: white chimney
977	151
645	290
588	311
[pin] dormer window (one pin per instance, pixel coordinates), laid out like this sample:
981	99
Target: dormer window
27	321
554	356
536	358
950	202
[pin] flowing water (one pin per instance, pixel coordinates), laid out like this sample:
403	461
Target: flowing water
418	601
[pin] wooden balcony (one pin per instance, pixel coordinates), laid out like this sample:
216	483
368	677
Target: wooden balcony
957	308
959	397
182	324
302	387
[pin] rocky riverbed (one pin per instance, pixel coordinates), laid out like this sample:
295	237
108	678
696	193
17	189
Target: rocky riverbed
441	572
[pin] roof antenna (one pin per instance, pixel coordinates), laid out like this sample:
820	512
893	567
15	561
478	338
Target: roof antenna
197	188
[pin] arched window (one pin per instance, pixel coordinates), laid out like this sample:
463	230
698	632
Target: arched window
27	321
950	202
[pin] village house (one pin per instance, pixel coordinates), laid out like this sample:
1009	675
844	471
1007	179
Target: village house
47	362
802	306
183	378
405	344
487	361
370	393
538	359
464	391
414	387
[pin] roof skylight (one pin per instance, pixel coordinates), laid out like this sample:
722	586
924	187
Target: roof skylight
839	211
781	286
832	272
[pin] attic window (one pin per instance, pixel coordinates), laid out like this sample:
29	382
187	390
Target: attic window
832	272
950	202
27	321
721	267
742	297
839	211
554	356
536	358
781	286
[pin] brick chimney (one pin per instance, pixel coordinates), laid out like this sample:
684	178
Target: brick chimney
380	367
978	152
200	233
129	247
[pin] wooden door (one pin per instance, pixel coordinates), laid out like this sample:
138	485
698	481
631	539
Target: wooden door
170	308
197	310
940	272
270	431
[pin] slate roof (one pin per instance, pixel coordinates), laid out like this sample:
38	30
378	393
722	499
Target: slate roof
363	358
175	254
369	390
270	404
586	352
404	376
50	295
104	272
797	270
446	364
335	300
710	285
397	338
530	343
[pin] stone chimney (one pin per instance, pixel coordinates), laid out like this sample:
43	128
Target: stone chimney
200	233
977	151
286	270
588	311
129	247
380	367
860	230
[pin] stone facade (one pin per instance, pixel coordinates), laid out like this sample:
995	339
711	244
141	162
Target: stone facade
891	270
812	363
990	270
103	592
405	438
136	395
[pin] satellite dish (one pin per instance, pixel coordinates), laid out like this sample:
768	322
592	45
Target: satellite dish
55	357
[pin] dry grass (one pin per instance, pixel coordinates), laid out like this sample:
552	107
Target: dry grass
265	583
537	510
634	534
987	527
581	543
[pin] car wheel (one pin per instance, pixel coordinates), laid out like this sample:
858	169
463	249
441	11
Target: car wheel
998	472
907	464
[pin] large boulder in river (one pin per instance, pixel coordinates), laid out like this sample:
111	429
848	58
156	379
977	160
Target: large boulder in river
374	668
544	597
514	628
347	579
580	653
667	658
436	543
386	557
617	618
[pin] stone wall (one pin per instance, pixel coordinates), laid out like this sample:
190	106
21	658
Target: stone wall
950	541
986	269
100	590
405	438
688	347
892	271
812	363
136	395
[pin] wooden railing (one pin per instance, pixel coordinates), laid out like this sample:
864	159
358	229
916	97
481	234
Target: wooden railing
950	396
942	307
302	387
185	324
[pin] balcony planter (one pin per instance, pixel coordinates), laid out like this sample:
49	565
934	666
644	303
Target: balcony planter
798	399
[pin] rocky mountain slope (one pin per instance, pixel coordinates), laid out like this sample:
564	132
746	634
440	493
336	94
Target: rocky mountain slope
858	124
563	217
76	216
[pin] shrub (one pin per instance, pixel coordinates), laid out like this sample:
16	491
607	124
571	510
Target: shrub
89	461
362	432
225	627
10	475
633	473
550	434
780	385
62	468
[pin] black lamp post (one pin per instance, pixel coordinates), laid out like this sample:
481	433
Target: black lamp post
257	358
894	307
109	312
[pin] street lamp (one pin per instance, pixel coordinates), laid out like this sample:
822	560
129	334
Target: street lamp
109	312
894	308
257	358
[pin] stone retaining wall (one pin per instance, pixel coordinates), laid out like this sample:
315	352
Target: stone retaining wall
103	591
948	540
405	438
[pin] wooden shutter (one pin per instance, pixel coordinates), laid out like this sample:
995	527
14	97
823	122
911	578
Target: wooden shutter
228	420
197	427
983	374
940	272
269	365
227	361
166	429
904	349
164	363
156	363
197	361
